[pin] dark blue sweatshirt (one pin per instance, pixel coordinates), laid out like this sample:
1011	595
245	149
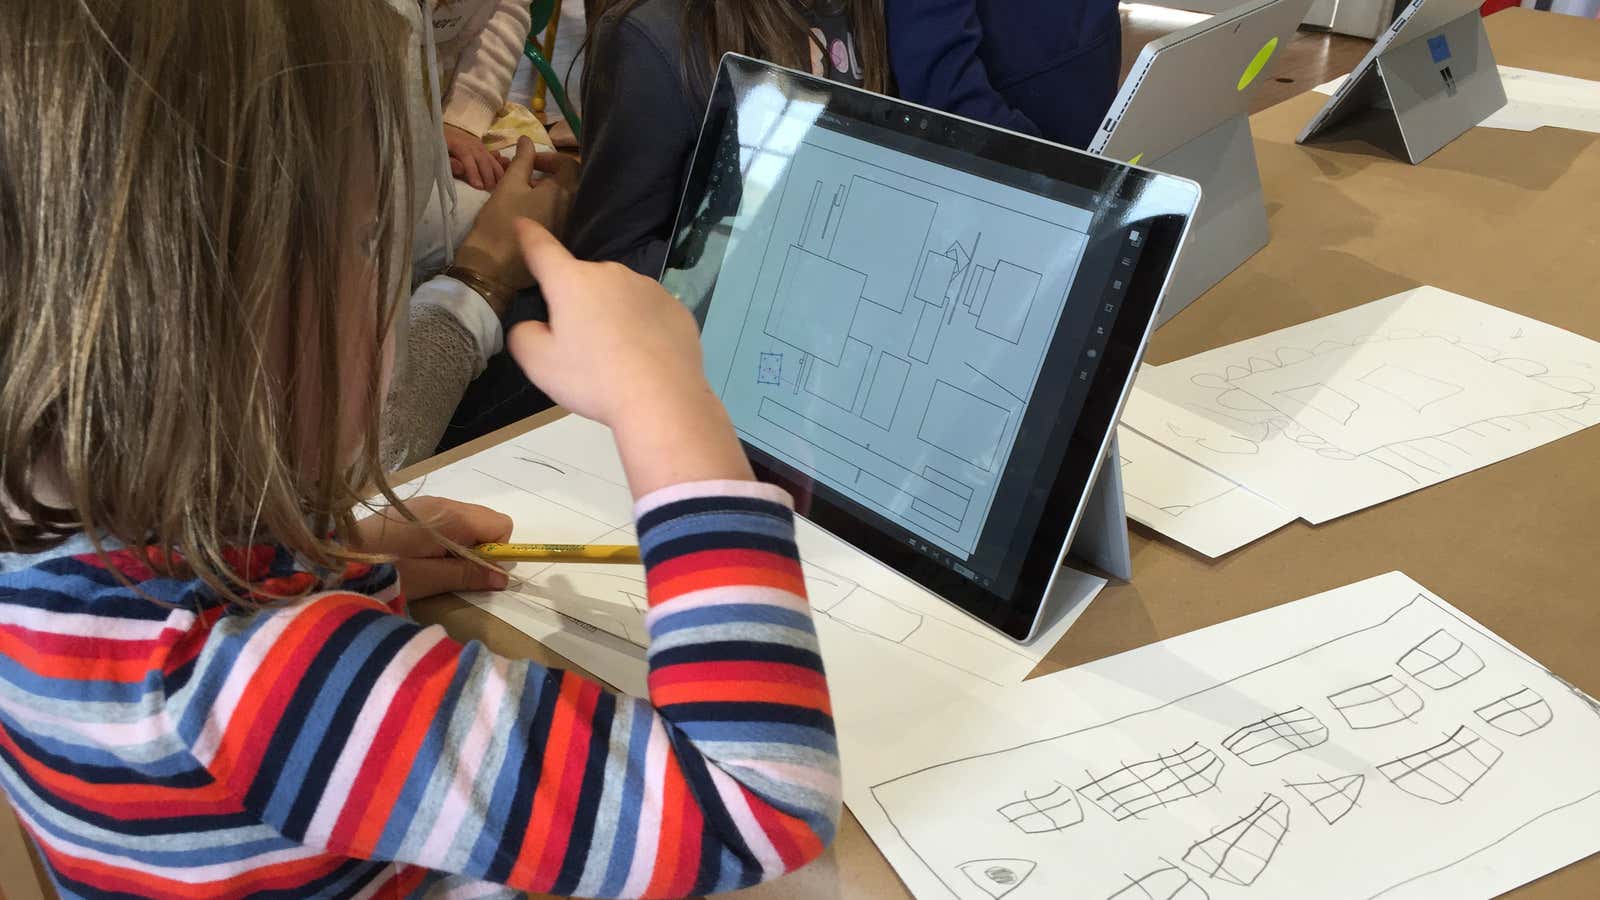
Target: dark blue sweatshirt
1041	67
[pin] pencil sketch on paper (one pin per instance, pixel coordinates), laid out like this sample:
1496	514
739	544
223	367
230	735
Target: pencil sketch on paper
1147	784
1188	503
1239	852
1219	828
1337	414
1374	704
1277	736
1441	661
1445	771
1332	798
997	877
1520	713
1053	809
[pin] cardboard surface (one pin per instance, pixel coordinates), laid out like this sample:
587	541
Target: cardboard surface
1505	217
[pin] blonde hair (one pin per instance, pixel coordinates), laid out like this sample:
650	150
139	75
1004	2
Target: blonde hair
175	186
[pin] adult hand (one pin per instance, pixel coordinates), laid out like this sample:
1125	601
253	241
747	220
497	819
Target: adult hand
537	186
426	567
471	161
620	350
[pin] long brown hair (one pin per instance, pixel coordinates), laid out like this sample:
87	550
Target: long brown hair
774	30
175	202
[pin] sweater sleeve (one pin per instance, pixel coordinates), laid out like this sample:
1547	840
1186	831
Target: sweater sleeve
354	731
640	127
486	66
450	336
934	53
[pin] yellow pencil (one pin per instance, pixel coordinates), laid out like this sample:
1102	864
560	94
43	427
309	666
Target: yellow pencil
585	553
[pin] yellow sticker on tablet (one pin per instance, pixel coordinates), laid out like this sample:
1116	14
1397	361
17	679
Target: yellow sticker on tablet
1136	158
1257	64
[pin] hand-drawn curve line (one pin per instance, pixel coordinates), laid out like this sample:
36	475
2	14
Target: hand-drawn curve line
1520	713
1377	703
1240	851
1444	772
1277	736
1147	784
1332	798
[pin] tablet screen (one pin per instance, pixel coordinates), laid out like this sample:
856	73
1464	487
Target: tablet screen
908	330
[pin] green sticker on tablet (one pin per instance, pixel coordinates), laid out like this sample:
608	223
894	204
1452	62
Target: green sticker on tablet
1257	64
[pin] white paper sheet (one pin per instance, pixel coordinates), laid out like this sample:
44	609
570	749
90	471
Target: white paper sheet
1370	741
563	483
1344	412
1188	502
1535	100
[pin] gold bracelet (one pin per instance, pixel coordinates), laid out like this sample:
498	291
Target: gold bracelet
497	295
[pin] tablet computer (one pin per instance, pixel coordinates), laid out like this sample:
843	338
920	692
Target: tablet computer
922	326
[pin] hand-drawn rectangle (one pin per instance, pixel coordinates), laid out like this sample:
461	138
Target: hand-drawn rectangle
927	332
882	232
770	371
964	425
1010	299
935	278
981	286
841	384
888	384
815	304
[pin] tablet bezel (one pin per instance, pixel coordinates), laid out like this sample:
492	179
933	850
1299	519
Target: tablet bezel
1081	447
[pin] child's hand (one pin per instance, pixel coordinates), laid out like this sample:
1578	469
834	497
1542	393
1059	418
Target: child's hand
471	161
620	350
537	186
426	568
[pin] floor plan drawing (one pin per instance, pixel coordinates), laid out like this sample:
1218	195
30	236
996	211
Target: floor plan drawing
880	326
1340	413
1493	775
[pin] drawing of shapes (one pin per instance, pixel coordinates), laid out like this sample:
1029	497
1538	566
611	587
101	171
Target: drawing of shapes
873	614
927	332
997	877
815	304
964	425
1277	736
1444	772
949	483
937	274
1009	300
980	290
1386	405
770	370
1239	853
610	598
936	517
1167	883
1054	809
840	384
888	384
825	588
1150	783
1521	713
1441	661
1414	390
882	232
1377	703
1332	798
793	436
1316	398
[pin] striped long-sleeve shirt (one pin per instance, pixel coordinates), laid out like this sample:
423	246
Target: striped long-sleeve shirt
332	747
